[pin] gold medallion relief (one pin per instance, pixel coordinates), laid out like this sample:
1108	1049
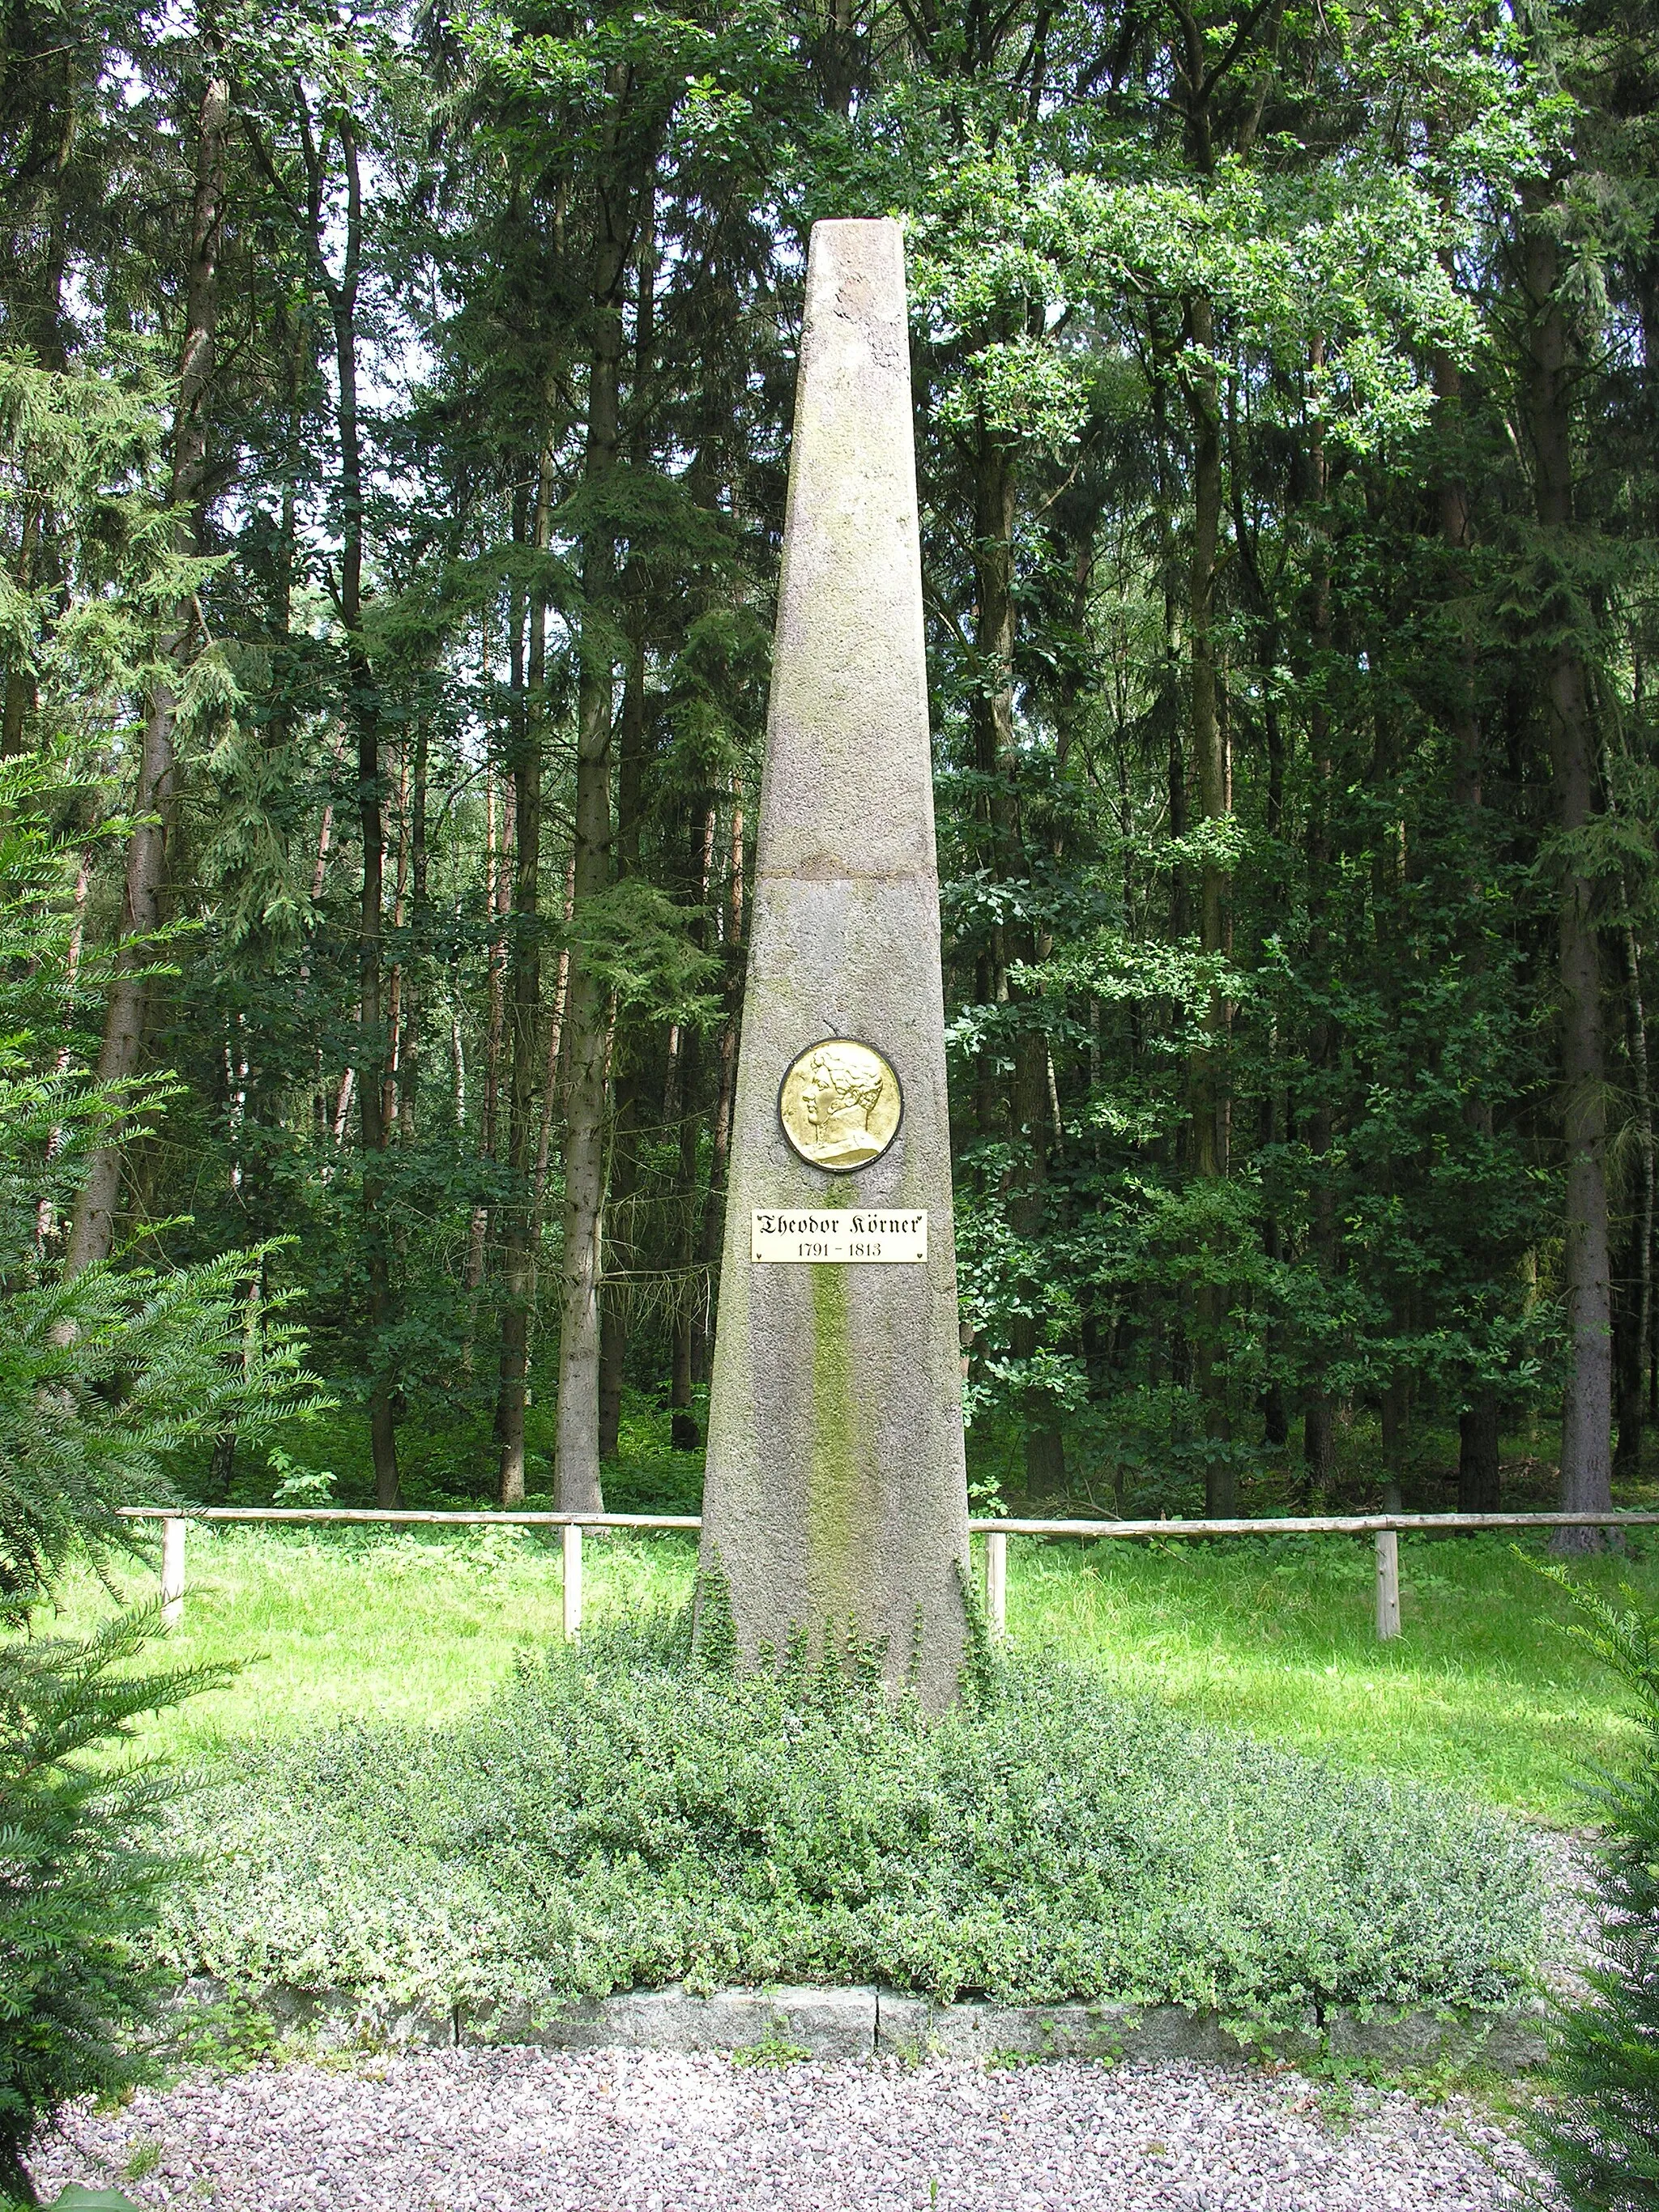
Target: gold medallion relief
839	1105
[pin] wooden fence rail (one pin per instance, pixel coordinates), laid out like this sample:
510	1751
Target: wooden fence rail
1386	1527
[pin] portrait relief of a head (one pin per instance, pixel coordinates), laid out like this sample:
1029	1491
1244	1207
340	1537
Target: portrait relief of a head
839	1105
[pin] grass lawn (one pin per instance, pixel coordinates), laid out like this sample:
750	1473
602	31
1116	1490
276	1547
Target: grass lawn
1482	1691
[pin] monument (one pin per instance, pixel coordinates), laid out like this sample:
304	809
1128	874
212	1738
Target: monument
836	1501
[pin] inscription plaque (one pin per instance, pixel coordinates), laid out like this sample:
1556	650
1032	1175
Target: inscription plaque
839	1105
847	1234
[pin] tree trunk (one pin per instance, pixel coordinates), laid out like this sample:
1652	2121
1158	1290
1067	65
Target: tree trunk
415	975
373	1047
684	1349
586	1007
523	1117
1478	1477
1319	1411
683	1433
997	758
1209	760
497	895
616	1309
1645	1225
19	693
1478	1480
551	1084
993	713
1629	1381
319	221
41	326
615	1298
726	1079
1587	1412
390	1078
1394	1422
91	1233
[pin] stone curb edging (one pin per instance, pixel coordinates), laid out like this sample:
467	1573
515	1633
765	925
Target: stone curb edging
864	2022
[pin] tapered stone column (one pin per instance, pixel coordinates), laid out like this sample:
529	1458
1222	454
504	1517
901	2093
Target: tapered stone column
836	1493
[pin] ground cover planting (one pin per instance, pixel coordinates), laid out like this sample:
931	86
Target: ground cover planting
621	1815
1483	1692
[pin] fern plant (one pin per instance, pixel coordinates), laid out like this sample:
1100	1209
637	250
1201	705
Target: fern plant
1599	2133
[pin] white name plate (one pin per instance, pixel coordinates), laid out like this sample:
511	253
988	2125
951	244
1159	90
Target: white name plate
842	1233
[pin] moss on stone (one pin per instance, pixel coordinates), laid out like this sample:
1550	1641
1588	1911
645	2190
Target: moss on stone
835	1477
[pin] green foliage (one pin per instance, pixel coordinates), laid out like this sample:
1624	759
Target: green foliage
1307	262
102	1379
618	1817
1600	2134
229	2035
79	1883
771	2054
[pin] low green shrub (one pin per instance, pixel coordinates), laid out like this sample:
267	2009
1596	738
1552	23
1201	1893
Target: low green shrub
620	1816
1601	2133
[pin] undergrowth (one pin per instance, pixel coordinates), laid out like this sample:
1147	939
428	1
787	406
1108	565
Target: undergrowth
626	1814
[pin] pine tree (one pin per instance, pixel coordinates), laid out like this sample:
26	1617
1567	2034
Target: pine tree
1600	2135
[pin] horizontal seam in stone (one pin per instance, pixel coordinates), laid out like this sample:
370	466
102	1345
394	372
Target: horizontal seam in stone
809	875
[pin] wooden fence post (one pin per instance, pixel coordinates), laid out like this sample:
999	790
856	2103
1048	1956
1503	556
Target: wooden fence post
996	1582
172	1570
1387	1585
573	1581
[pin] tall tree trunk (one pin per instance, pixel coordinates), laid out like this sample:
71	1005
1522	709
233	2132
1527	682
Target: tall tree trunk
497	894
1319	1411
318	222
586	1008
19	690
993	714
551	1084
725	1081
687	1072
1209	761
91	1233
374	1047
389	1081
683	1433
1639	1051
524	1118
1587	1410
997	760
1479	1478
617	1302
45	331
415	971
615	1294
45	1214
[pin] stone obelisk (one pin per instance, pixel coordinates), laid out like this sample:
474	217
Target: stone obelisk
835	1500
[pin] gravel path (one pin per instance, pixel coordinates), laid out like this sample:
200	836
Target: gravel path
518	2131
1570	1909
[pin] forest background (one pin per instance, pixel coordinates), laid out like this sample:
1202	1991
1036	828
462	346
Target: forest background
397	412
